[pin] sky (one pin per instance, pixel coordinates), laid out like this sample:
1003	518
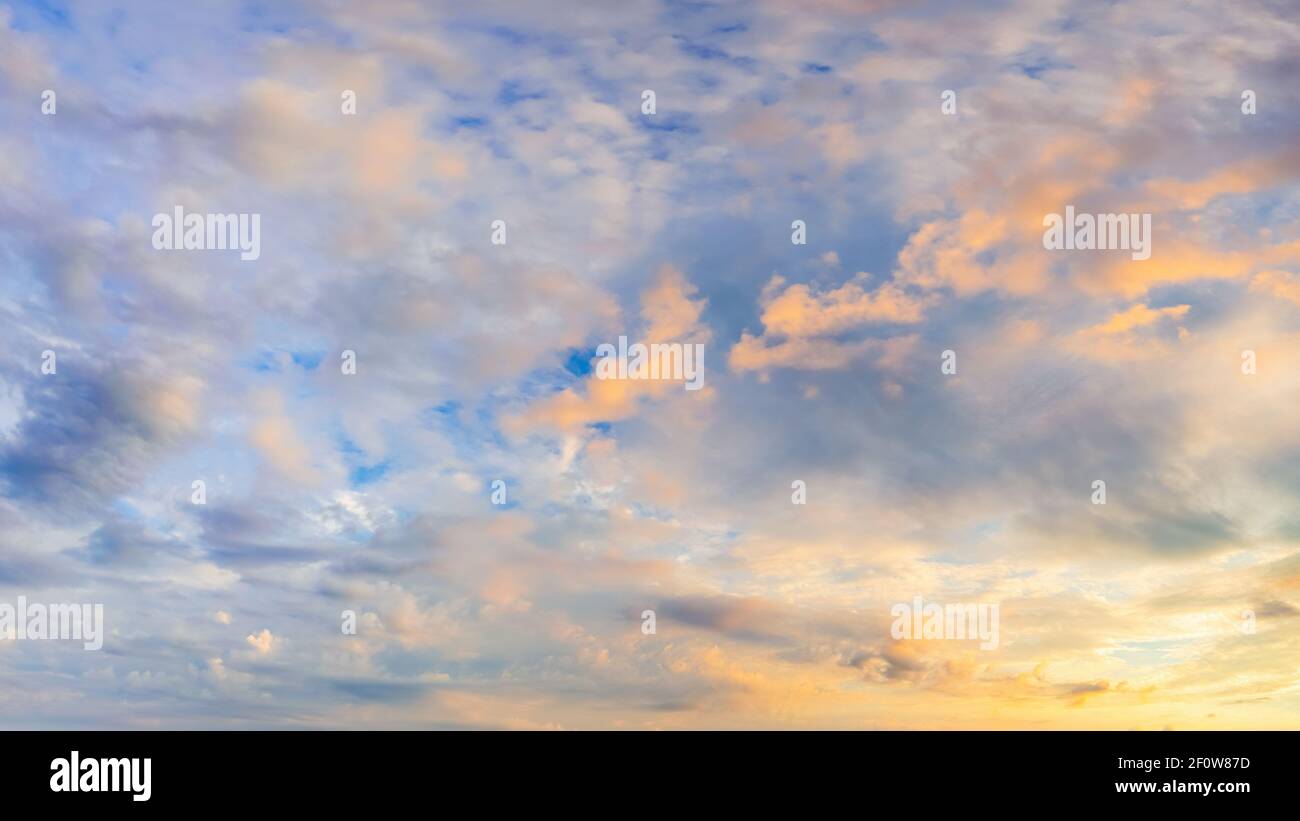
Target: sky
394	409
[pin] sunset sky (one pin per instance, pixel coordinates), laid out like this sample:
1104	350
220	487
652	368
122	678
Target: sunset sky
372	492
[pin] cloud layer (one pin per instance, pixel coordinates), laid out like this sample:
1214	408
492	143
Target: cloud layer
378	492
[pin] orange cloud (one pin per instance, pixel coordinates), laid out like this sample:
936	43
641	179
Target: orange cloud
799	311
800	322
1254	174
1136	317
671	314
1281	284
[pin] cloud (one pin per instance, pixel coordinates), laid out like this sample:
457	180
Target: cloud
90	431
669	314
275	438
1136	316
373	491
804	327
263	643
